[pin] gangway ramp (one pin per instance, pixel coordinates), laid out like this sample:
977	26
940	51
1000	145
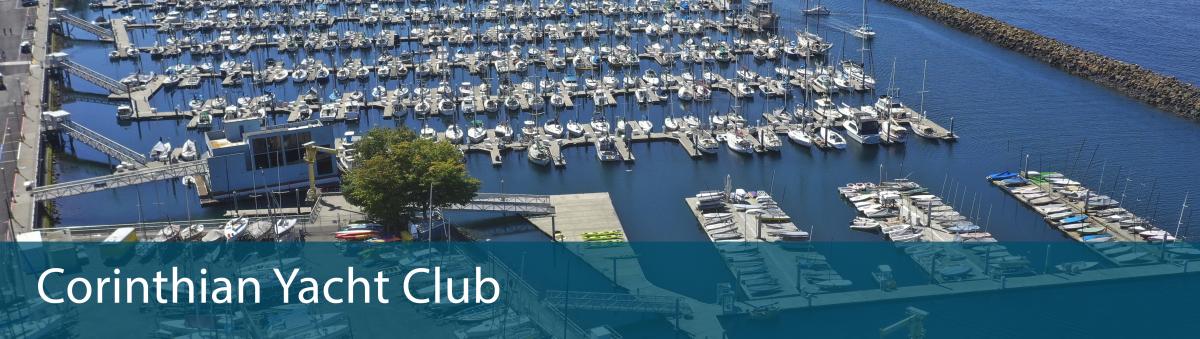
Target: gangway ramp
156	173
524	204
100	32
102	143
60	61
616	302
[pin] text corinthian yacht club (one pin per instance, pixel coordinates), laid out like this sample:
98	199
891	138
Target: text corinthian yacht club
291	287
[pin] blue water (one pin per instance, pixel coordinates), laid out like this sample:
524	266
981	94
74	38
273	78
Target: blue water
1005	105
1152	33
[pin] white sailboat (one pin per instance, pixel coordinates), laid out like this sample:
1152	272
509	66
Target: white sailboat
454	134
800	137
574	128
737	143
864	31
539	153
553	128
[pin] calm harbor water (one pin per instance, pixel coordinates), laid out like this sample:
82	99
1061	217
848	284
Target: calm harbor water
1151	33
1005	106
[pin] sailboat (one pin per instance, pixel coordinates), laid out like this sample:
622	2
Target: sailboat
737	143
454	134
428	133
553	128
864	31
705	143
800	137
235	228
476	133
817	10
539	153
574	128
769	140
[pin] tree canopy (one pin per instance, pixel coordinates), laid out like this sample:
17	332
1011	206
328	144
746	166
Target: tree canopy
394	173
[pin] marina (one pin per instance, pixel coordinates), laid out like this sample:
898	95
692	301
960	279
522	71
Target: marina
218	122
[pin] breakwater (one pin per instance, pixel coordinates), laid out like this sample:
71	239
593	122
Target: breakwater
1161	91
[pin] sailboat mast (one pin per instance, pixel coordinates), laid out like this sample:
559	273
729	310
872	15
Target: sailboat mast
924	72
1179	223
864	12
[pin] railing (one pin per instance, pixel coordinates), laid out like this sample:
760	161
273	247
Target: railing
516	203
618	302
102	143
101	183
524	299
101	32
110	84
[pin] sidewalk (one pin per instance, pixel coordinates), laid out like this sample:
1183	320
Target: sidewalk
29	150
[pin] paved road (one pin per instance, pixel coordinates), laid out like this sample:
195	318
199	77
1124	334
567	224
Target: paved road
14	66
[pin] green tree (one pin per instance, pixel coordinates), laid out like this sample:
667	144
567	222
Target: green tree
396	170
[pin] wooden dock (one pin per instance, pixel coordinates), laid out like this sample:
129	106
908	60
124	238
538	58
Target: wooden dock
1118	233
121	37
576	214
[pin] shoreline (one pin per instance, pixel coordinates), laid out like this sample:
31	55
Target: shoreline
1164	92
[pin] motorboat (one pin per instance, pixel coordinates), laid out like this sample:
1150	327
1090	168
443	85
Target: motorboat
606	148
831	138
864	129
161	151
188	151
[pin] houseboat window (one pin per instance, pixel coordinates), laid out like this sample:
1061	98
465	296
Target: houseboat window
324	164
294	147
275	151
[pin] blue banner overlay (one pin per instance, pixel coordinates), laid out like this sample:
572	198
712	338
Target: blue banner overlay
595	290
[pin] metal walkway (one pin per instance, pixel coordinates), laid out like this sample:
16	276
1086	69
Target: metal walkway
616	302
523	298
70	95
525	204
102	143
100	32
176	170
112	85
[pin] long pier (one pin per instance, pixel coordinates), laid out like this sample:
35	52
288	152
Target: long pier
1121	244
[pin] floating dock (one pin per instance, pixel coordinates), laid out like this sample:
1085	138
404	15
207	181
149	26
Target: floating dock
1098	221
